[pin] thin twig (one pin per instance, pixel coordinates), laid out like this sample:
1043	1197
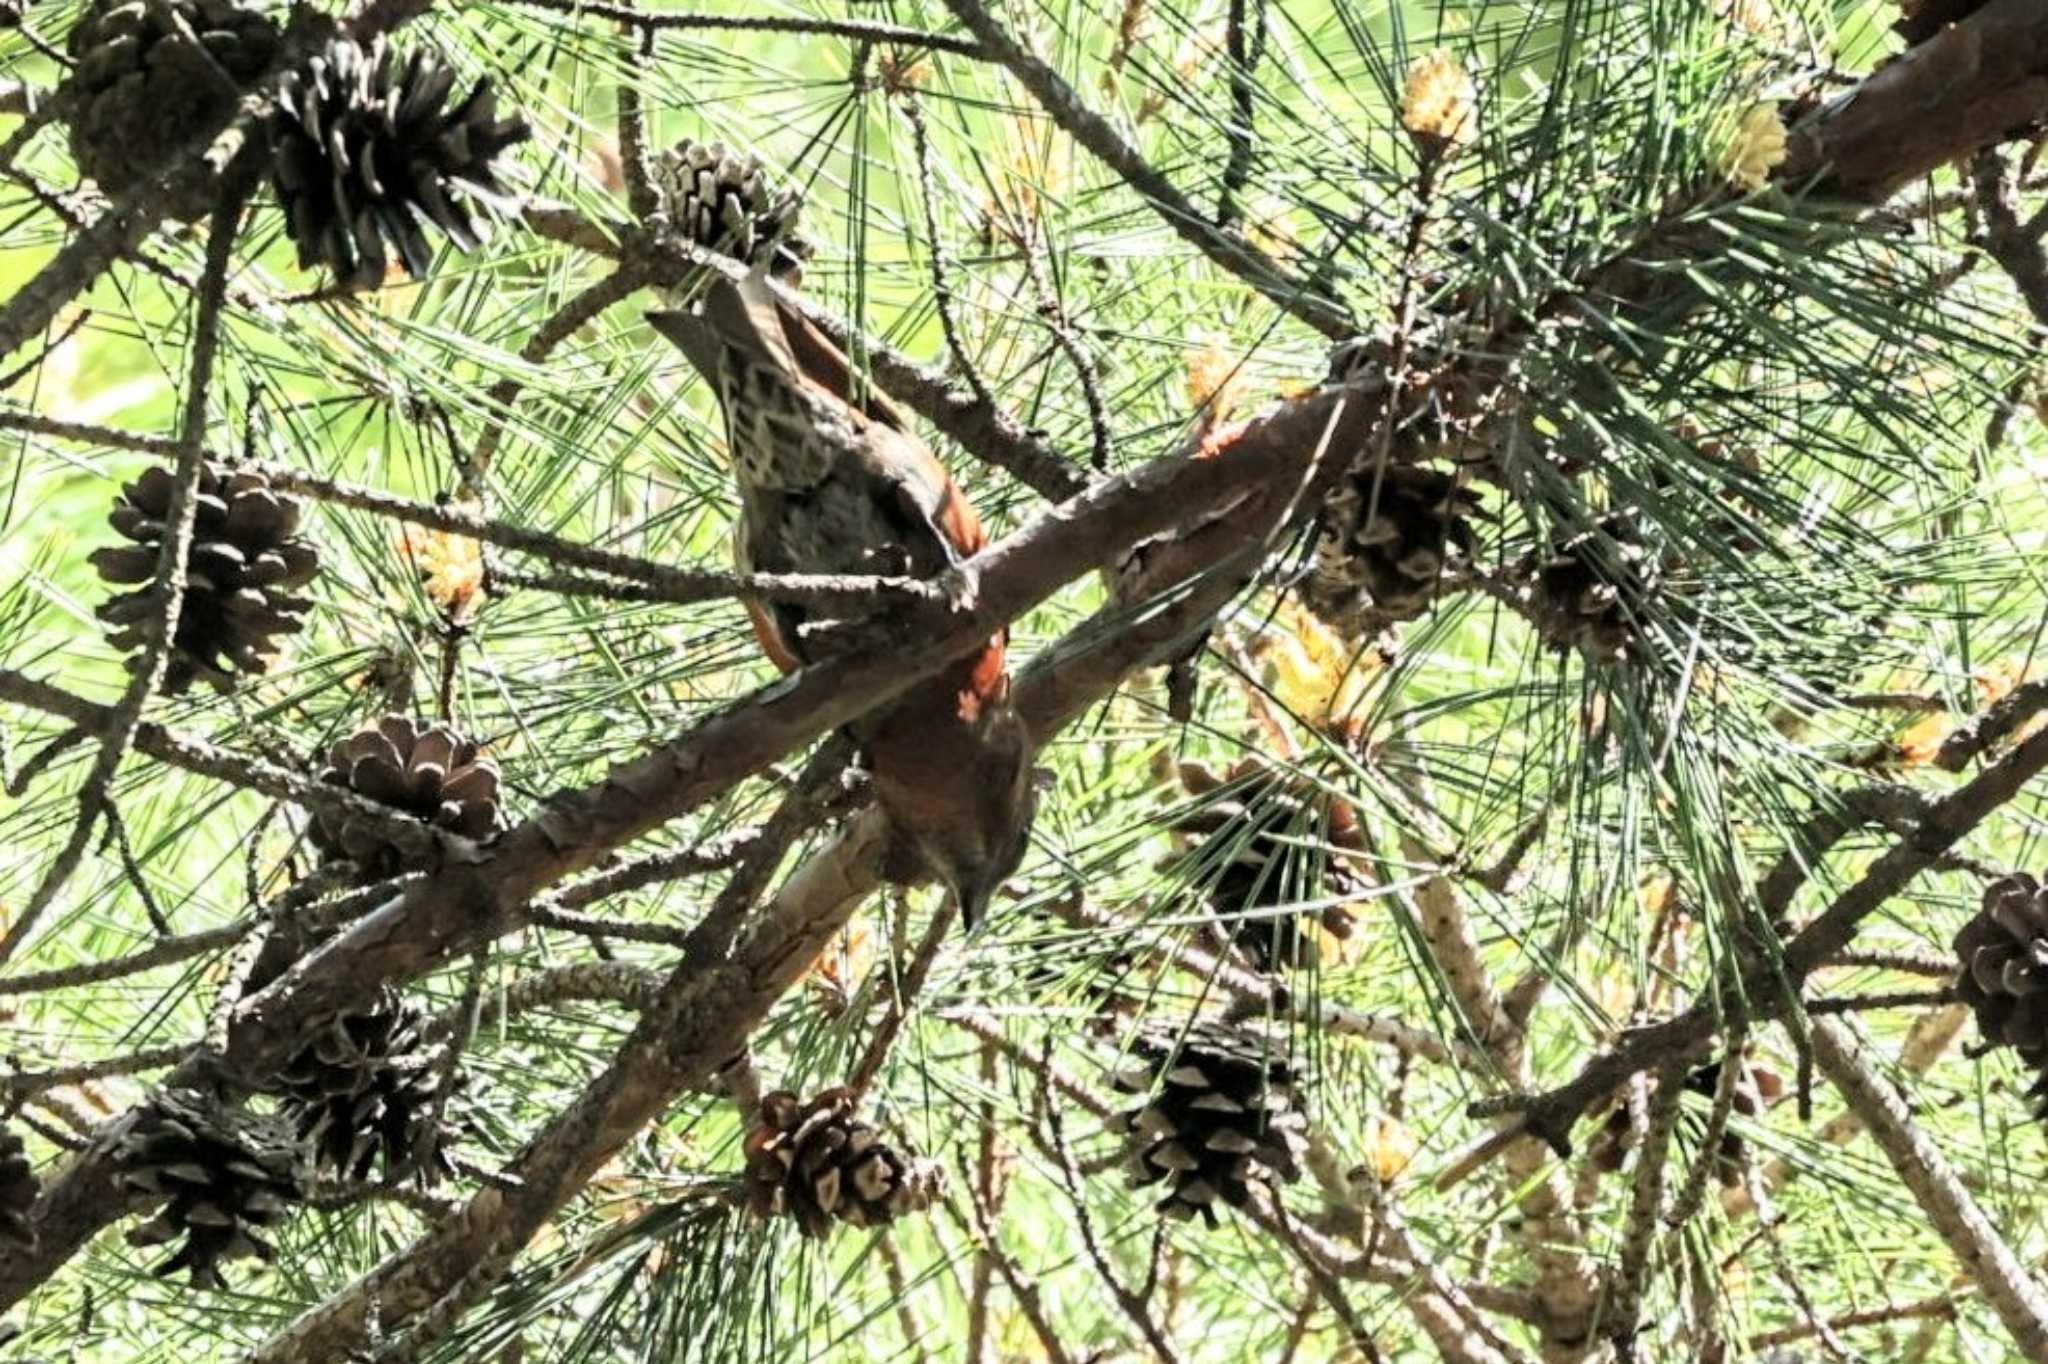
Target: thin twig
942	291
987	1192
1624	1288
1092	131
984	1026
853	30
1023	1287
1941	1307
1100	437
909	985
661	582
570	318
899	1292
1907	963
117	834
1896	999
640	192
1131	1304
1694	1191
39	761
1945	822
1274	1219
22	1083
1244	53
1980	1251
164	952
160	631
254	774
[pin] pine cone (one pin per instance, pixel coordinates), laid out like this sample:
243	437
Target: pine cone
365	1086
433	775
815	1162
1384	544
144	87
1590	595
2003	951
724	204
1270	840
227	1174
19	1188
1222	1114
246	556
365	155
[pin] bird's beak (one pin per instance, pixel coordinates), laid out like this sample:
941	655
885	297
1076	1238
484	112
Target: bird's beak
974	901
690	336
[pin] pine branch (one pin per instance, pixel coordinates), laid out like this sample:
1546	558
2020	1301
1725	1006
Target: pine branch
1932	1036
853	30
1088	128
236	769
2011	1289
1761	992
180	516
635	987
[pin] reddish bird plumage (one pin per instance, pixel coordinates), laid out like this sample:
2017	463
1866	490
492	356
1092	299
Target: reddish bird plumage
833	479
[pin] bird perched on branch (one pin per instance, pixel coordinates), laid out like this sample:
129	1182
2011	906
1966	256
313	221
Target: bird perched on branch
832	479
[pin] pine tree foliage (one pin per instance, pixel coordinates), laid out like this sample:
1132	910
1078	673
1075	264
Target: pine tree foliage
1640	653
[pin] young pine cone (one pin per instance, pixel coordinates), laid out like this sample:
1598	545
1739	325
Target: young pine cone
1385	542
725	203
2003	955
1591	595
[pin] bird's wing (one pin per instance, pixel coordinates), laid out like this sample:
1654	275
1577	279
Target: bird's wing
775	624
827	368
935	520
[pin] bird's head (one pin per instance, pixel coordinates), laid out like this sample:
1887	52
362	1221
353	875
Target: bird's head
966	813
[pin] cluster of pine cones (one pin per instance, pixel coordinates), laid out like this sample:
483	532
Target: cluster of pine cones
366	150
1391	540
365	1089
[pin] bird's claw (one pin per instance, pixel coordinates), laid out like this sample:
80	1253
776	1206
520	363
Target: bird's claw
961	585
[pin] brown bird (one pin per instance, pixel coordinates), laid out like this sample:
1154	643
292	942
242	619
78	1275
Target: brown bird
832	479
